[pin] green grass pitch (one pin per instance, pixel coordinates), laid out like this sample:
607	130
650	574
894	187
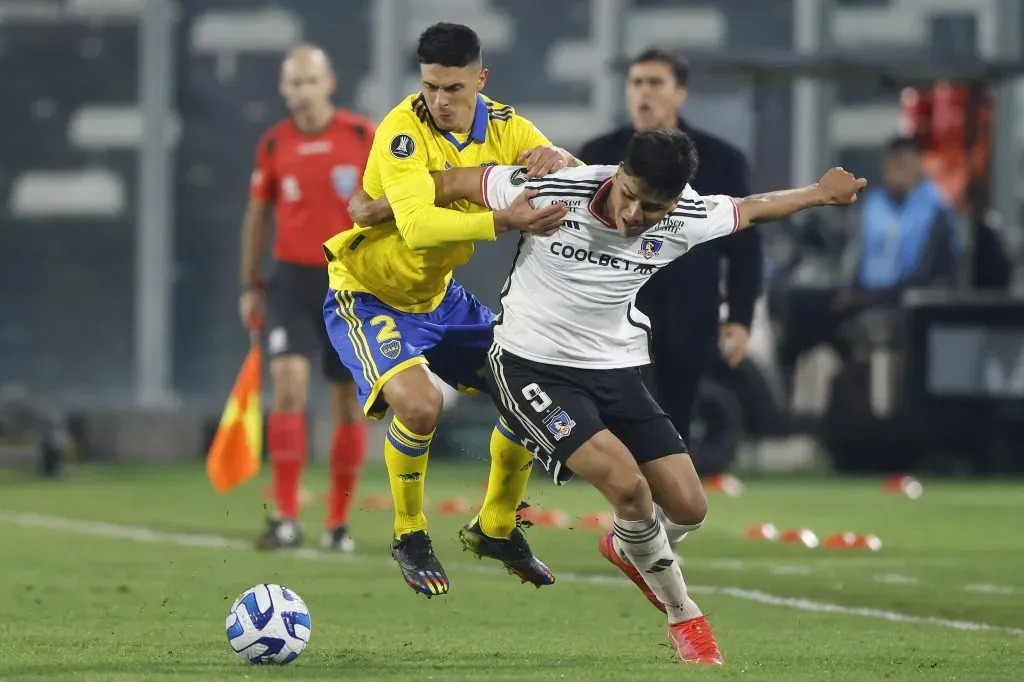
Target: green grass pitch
126	573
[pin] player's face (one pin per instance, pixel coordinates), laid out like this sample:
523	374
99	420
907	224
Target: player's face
901	170
451	93
653	96
633	206
307	82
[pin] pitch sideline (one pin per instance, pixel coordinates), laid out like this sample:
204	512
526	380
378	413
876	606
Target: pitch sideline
141	534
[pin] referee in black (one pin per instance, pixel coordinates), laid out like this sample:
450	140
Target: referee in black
683	298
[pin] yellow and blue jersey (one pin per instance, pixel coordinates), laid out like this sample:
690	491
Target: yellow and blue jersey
407	262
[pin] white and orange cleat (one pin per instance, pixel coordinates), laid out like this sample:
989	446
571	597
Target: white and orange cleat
607	546
693	642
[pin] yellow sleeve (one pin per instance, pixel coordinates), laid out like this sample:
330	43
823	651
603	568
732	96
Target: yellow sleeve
399	147
526	135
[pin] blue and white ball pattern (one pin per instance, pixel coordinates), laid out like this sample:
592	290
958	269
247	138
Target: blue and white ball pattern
268	624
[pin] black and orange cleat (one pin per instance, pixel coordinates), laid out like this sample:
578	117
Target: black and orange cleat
414	554
693	642
513	552
607	546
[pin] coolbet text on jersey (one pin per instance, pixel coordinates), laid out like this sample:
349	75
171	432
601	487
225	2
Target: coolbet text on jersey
569	299
310	178
400	261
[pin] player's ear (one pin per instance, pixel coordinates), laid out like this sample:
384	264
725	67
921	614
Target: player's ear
332	83
484	73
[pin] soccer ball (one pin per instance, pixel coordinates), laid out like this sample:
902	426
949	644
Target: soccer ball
268	624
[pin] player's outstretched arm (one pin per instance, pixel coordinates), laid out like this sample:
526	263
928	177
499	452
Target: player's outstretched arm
837	187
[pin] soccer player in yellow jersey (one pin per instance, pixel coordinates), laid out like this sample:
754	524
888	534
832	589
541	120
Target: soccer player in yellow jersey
393	307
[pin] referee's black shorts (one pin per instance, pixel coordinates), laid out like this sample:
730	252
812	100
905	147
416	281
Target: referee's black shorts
295	317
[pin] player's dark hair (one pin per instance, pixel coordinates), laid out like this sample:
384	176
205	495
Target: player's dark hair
448	45
677	64
664	159
902	143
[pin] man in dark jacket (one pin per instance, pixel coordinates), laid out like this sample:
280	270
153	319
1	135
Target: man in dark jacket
683	299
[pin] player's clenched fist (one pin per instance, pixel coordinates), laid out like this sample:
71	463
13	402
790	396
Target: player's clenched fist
522	216
839	187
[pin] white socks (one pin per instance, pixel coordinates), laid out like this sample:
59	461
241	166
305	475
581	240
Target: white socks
645	545
675	532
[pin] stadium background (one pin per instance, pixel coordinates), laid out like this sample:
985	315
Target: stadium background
130	129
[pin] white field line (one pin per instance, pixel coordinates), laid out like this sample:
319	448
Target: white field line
985	588
140	534
791	569
894	579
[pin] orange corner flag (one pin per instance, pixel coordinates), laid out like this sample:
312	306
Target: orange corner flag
234	456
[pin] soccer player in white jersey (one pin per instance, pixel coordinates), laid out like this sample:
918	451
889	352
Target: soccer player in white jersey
568	344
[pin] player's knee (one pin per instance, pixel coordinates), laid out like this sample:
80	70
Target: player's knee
629	494
675	530
687	504
419	413
690	513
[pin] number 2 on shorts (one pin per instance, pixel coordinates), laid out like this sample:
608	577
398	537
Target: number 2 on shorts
387	328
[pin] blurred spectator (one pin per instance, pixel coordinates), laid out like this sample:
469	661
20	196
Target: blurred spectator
907	232
908	239
683	299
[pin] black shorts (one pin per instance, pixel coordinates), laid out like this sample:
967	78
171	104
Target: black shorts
295	318
556	409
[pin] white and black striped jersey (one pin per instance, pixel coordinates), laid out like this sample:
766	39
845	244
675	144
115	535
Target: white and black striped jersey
569	298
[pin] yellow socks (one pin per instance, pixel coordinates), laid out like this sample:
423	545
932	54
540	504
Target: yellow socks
406	455
511	464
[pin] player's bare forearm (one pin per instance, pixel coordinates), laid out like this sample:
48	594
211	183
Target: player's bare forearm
458	184
764	208
255	232
837	187
366	211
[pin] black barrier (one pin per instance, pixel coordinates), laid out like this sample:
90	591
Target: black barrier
963	380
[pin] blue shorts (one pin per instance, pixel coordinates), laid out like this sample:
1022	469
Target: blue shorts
376	342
